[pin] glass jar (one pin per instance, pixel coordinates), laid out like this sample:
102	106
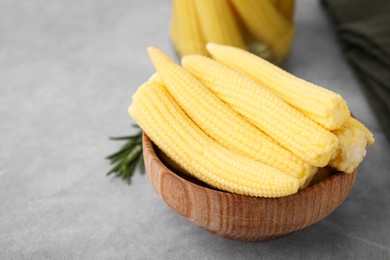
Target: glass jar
263	27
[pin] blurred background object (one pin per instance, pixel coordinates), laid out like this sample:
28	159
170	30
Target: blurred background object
68	70
265	28
363	28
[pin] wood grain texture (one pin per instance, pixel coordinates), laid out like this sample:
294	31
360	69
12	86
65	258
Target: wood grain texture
242	217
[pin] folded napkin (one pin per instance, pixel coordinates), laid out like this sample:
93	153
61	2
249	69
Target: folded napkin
363	27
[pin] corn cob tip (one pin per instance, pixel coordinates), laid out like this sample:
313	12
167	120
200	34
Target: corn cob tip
151	49
153	52
159	59
156	55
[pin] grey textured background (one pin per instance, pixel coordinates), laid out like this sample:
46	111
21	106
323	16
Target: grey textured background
67	72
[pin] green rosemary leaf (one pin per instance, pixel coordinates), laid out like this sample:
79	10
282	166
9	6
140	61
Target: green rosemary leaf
121	138
134	153
141	164
114	169
129	173
128	157
124	150
130	163
128	137
124	173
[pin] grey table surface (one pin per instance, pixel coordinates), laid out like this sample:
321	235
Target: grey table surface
67	73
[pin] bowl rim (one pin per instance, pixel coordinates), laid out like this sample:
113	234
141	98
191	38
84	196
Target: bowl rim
149	149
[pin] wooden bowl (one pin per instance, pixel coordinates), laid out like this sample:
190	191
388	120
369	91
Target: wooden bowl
241	217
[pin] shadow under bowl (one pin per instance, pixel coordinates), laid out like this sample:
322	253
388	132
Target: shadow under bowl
242	217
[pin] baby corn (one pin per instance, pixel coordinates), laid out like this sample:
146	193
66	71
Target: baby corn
286	8
224	127
319	104
266	24
267	111
222	123
178	137
354	123
186	33
353	137
218	22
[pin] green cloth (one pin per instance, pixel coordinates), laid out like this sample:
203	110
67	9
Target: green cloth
363	27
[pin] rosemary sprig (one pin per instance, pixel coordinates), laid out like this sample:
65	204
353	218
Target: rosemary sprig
128	157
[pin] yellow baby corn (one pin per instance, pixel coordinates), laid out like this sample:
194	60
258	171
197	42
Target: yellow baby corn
178	137
353	137
354	123
186	32
260	106
267	24
218	22
321	105
286	8
221	122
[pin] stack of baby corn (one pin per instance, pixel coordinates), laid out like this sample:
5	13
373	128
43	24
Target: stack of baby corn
264	27
243	125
